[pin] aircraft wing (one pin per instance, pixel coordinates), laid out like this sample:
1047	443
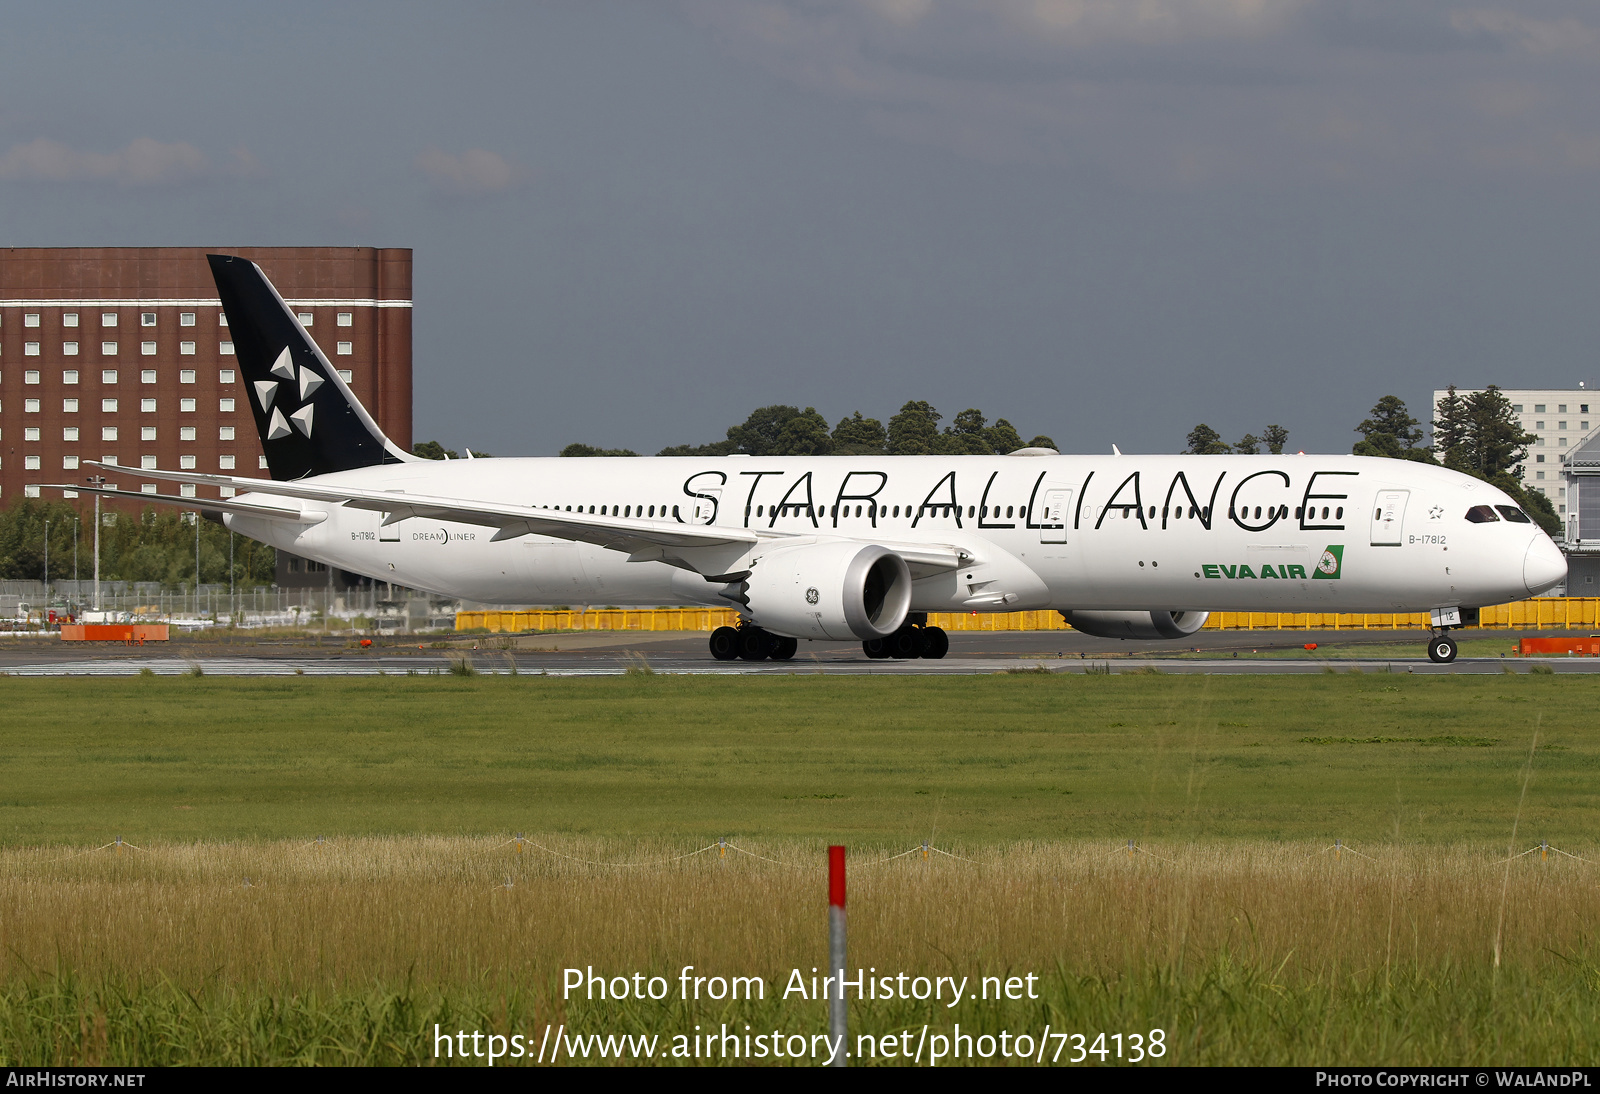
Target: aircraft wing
642	539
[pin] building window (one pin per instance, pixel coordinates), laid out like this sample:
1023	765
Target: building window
148	462
1562	425
185	406
346	375
68	406
225	405
147	319
70	349
70	376
31	406
30	463
186	433
186	319
305	318
225	348
225	433
1538	408
227	491
147	349
222	319
69	432
1538	474
147	488
186	490
108	433
345	349
225	376
225	462
108	376
261	462
31	319
69	319
30	349
186	349
346	319
111	459
147	406
108	406
147	433
1516	408
186	376
108	349
30	491
30	377
108	319
185	463
30	433
1539	441
1539	458
69	463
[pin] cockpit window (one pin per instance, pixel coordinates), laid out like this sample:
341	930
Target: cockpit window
1513	514
1481	514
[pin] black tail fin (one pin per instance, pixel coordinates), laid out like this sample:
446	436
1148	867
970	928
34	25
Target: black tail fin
310	423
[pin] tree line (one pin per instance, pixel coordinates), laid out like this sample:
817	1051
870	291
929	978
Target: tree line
155	545
790	431
1477	434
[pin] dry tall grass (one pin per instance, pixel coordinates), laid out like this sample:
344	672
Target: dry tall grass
1244	952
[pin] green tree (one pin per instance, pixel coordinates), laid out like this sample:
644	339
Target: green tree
1275	437
1450	430
915	430
1041	441
1004	438
804	434
433	450
858	436
1205	441
968	434
1391	432
1248	445
1496	441
576	449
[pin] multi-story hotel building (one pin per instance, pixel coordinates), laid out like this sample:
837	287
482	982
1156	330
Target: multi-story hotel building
122	354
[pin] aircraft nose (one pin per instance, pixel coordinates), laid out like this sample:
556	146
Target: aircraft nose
1544	567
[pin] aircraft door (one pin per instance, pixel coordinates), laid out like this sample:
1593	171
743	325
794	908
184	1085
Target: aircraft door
705	505
1053	519
1389	517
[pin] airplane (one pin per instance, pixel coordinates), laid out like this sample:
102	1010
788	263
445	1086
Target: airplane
858	549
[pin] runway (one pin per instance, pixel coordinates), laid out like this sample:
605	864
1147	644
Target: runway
611	654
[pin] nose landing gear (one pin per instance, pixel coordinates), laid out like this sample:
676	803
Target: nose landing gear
1441	648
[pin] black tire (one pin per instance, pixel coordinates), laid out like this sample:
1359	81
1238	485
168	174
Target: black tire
1442	650
725	644
906	644
755	644
783	648
875	648
938	643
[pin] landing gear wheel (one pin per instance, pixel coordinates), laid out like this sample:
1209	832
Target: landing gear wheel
725	643
875	648
1442	649
783	649
755	644
938	643
905	644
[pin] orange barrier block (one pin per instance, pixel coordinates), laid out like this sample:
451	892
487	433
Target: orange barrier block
130	633
1582	647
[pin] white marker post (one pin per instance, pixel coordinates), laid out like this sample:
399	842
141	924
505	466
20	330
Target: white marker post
836	1016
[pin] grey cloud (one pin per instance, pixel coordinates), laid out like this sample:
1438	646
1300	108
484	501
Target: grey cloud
475	173
144	162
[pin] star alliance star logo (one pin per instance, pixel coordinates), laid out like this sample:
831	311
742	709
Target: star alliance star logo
305	381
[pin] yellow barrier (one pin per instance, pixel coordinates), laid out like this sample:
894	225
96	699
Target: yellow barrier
1545	613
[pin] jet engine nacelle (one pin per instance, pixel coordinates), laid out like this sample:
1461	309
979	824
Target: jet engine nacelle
828	590
1144	625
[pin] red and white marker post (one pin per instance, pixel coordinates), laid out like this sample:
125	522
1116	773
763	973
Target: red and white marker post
836	1012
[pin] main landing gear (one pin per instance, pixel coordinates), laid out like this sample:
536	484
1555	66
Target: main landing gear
747	642
910	641
1441	648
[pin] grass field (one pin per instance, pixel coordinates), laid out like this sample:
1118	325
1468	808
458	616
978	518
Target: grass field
1233	928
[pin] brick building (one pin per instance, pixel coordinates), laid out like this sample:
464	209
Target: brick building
122	354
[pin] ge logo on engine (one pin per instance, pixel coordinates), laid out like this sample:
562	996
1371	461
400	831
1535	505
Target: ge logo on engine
812	596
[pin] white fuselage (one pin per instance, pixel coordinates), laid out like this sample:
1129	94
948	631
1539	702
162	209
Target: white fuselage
1193	533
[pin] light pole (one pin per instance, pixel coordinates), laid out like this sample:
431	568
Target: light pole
47	568
97	481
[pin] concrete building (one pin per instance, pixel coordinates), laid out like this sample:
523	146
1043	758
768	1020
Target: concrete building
122	354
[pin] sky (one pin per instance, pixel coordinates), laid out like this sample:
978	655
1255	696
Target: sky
634	222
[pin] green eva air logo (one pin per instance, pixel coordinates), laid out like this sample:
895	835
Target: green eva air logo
1330	564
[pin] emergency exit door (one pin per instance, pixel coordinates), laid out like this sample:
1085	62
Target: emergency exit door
1389	517
1056	510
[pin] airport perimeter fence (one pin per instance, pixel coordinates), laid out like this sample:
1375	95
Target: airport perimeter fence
1544	613
26	606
